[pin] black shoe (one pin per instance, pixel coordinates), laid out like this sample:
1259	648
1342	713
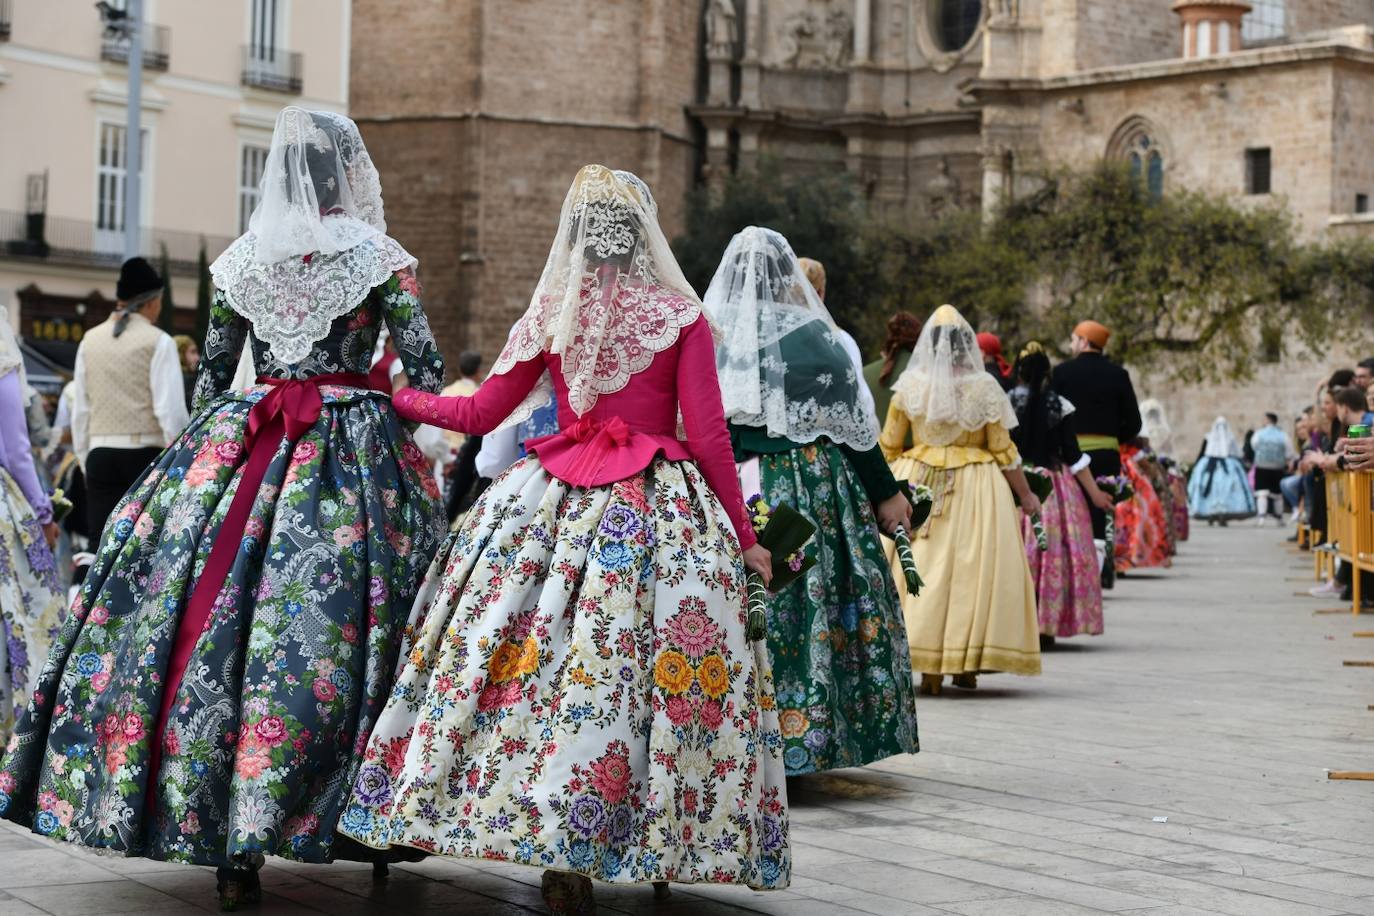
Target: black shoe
1046	642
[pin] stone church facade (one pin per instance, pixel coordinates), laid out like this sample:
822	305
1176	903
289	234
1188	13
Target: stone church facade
478	112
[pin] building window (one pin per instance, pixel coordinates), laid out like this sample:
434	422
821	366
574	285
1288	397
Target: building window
1258	166
262	29
1361	203
252	159
112	184
955	22
1266	20
1140	145
1147	164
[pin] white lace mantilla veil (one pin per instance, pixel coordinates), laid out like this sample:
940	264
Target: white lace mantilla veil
758	297
1221	442
1155	426
611	296
11	357
316	243
945	385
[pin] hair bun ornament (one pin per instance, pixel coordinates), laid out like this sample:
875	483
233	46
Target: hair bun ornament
1031	349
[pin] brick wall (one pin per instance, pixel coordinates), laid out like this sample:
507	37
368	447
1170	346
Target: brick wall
479	112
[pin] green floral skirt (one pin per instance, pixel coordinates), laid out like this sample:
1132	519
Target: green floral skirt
840	661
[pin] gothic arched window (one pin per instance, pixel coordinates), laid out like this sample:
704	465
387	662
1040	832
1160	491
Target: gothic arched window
954	22
1136	142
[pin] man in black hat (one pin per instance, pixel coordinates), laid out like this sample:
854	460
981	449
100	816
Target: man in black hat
128	402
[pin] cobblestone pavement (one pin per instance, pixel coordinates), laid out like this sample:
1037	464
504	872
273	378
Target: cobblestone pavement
1216	699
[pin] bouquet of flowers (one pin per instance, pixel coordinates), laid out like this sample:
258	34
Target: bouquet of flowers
1120	489
1042	486
784	531
921	500
61	505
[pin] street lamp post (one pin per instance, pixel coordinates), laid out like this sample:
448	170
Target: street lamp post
133	132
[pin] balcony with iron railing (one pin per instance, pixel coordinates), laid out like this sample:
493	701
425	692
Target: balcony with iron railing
272	69
39	238
6	16
157	47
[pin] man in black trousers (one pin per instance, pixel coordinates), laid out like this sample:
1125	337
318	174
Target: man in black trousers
1106	414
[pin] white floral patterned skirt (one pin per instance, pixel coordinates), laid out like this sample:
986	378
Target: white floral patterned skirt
579	694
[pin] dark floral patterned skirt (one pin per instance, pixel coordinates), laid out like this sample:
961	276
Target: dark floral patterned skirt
837	637
579	694
286	680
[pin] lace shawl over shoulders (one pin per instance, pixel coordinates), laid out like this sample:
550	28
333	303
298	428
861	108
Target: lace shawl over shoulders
292	304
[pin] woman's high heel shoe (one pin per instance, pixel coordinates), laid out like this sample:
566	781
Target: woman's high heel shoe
930	684
567	893
967	681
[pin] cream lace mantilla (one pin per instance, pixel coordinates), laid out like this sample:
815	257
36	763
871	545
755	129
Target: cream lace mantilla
292	304
945	385
611	296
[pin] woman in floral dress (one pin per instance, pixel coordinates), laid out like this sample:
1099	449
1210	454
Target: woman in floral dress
579	693
976	612
800	413
1068	586
1142	528
30	593
217	678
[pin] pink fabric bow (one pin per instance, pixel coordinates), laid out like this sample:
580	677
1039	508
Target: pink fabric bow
599	440
614	430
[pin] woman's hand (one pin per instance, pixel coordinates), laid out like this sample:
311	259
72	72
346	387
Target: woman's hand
894	512
759	560
1030	504
51	533
1101	499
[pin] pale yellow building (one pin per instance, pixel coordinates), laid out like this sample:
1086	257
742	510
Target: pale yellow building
215	75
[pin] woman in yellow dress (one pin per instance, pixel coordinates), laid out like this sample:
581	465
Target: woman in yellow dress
976	611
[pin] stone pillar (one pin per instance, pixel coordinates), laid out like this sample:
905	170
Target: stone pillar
753	53
722	39
863	30
998	176
749	146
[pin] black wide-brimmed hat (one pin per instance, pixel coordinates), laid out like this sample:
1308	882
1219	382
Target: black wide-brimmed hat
137	280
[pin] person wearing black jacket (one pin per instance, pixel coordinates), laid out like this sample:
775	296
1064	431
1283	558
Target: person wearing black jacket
1106	413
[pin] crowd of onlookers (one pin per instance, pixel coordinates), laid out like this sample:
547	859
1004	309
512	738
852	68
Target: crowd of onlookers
1323	443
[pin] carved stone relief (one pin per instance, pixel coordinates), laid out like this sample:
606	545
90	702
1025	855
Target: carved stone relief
817	35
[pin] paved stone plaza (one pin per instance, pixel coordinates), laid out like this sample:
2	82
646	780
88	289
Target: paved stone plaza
1216	700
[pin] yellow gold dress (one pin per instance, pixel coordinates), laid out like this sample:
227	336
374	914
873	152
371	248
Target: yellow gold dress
977	609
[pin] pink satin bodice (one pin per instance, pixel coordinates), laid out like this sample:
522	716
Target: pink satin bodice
623	433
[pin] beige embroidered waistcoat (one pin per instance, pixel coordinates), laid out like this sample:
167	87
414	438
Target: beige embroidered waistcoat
117	378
